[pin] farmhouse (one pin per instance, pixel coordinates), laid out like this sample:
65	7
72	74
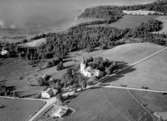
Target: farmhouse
4	52
88	71
48	93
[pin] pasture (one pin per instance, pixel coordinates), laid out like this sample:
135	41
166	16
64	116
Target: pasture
18	109
131	21
117	105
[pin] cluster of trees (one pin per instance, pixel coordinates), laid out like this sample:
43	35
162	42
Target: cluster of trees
145	28
109	15
71	79
104	65
53	62
96	22
74	79
156	38
49	81
6	90
79	37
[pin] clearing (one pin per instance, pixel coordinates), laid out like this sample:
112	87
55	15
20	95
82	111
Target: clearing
129	21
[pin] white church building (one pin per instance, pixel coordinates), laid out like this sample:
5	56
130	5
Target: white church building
88	71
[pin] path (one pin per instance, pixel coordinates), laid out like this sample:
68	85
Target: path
148	57
47	106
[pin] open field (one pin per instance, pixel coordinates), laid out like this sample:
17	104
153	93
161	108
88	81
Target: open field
15	72
128	52
35	43
12	69
18	109
150	73
164	20
131	21
117	105
128	21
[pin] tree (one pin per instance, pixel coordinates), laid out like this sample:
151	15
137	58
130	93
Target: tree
60	66
89	48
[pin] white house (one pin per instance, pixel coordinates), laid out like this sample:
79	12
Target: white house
4	52
58	111
88	71
48	93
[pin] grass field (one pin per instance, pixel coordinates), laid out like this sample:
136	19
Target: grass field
18	109
128	21
150	73
128	52
12	69
16	71
116	105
